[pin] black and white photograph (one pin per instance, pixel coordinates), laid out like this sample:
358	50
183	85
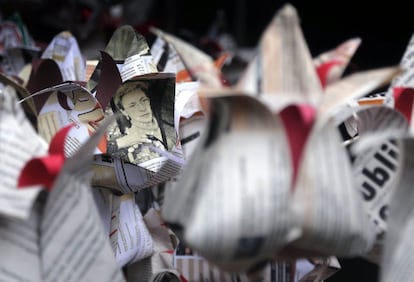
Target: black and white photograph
145	119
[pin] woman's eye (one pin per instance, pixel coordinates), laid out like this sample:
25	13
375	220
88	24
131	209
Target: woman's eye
132	105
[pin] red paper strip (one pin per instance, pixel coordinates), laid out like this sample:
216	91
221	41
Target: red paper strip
44	170
323	70
298	121
404	101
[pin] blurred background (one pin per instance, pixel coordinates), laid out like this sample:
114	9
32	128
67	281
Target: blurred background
385	28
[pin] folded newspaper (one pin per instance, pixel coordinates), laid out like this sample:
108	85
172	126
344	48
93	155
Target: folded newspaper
65	51
199	65
311	207
144	166
143	140
144	134
19	142
60	239
17	47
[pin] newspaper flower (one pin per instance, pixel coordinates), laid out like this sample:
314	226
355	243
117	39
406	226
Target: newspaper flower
143	141
321	168
125	84
318	206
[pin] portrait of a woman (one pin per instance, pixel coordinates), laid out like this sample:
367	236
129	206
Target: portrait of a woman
145	119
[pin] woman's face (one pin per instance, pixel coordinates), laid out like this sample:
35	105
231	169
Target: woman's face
137	106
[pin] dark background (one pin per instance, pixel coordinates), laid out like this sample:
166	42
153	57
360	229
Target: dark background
385	28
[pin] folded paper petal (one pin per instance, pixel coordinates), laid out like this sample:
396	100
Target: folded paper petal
298	121
109	80
323	70
41	171
404	97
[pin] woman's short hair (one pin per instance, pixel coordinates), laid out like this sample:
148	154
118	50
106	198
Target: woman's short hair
143	85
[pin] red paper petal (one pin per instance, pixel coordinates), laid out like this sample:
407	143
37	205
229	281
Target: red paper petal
298	121
57	144
41	171
44	170
404	101
323	70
